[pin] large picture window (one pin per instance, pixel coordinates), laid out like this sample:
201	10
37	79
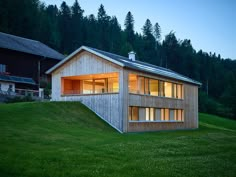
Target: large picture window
142	114
95	84
148	86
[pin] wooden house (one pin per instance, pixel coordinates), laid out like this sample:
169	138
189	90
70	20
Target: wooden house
23	62
130	95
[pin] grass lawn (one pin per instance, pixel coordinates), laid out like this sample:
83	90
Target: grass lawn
66	139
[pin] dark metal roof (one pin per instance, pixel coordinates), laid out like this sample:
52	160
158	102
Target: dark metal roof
146	67
16	79
21	44
126	62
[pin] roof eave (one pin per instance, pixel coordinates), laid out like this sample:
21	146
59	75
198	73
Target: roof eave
31	53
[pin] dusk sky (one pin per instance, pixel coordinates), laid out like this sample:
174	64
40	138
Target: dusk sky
209	24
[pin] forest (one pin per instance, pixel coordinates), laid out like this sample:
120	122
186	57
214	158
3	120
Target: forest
66	28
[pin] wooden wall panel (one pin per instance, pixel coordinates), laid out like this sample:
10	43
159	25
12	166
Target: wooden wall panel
105	105
189	104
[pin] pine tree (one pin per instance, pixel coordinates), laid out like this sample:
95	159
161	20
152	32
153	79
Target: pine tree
102	16
129	28
149	42
147	29
65	28
103	29
157	32
76	21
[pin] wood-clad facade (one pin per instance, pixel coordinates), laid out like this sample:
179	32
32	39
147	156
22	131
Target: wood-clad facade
105	87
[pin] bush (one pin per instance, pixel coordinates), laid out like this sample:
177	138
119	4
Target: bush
211	106
19	99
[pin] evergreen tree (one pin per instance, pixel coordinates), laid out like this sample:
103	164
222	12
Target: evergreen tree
149	42
103	29
157	32
147	29
65	28
115	35
129	28
77	23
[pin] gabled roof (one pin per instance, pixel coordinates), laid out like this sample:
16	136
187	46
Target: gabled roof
126	62
8	41
16	79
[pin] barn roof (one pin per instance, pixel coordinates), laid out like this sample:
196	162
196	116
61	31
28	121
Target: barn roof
12	42
126	62
16	79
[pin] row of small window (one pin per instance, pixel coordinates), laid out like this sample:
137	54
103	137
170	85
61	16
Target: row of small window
148	86
155	114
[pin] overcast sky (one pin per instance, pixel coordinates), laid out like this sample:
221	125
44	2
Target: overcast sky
210	24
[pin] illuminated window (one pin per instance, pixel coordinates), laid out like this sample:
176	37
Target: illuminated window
161	88
90	84
168	89
162	114
174	90
133	83
147	114
179	91
141	87
152	114
87	86
133	114
153	86
155	114
100	86
146	86
113	85
167	114
180	115
71	86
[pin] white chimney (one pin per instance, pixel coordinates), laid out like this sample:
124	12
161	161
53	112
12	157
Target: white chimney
132	55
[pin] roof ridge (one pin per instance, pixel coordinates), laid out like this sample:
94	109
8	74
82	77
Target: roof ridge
107	52
137	61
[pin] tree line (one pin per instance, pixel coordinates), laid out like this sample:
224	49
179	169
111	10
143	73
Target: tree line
67	28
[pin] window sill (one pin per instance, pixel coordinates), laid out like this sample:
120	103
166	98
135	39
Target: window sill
89	94
157	121
156	96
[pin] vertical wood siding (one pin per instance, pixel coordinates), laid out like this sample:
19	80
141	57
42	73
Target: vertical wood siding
189	104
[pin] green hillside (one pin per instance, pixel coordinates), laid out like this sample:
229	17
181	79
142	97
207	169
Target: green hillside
68	140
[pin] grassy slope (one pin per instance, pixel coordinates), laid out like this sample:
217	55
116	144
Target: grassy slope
66	139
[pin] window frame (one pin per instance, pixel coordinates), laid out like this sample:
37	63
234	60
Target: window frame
163	114
143	87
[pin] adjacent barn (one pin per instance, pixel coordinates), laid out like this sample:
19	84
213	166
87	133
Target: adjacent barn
23	63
